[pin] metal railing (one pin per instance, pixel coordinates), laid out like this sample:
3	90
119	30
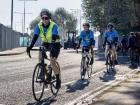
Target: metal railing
9	38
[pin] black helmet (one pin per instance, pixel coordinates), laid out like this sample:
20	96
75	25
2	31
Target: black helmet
110	25
45	12
131	33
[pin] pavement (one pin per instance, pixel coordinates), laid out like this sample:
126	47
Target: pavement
15	51
125	93
16	75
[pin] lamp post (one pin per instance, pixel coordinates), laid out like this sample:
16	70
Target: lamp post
24	14
12	14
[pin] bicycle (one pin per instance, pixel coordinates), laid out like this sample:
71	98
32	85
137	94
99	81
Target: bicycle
86	63
110	60
47	76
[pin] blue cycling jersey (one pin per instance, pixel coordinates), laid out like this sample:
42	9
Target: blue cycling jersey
86	38
110	35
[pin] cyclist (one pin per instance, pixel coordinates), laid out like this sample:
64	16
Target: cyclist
110	38
47	30
133	47
124	43
87	39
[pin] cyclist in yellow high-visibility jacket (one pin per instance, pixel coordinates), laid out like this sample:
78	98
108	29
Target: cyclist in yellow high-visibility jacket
47	30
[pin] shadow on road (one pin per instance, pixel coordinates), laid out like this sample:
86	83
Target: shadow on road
46	101
108	76
78	85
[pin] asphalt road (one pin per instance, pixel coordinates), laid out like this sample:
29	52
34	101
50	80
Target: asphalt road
16	75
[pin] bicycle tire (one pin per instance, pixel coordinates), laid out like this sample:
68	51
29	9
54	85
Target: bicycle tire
108	65
37	68
83	69
89	71
53	82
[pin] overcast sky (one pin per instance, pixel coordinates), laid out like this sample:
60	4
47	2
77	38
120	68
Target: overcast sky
33	7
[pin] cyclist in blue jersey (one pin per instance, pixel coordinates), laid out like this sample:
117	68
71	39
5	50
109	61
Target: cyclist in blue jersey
87	38
111	38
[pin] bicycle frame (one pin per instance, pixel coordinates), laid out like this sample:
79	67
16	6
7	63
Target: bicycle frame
85	55
42	57
86	68
40	69
111	53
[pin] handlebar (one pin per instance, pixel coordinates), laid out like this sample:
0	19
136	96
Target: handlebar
29	54
40	49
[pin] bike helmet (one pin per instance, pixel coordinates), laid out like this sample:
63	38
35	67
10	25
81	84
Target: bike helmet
110	25
86	24
45	12
131	33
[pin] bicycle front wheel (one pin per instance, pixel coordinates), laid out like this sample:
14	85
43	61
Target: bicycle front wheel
54	90
108	65
83	68
37	84
89	70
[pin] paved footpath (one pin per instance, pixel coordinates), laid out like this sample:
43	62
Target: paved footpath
15	51
126	93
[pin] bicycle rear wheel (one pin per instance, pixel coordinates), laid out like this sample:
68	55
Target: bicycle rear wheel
54	90
37	84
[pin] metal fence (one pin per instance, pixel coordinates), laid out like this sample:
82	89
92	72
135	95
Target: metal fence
9	39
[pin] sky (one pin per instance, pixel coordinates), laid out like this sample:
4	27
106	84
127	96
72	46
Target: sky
33	8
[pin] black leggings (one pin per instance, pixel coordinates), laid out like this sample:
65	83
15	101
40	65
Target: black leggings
53	48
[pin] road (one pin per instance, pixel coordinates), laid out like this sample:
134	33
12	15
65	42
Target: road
16	75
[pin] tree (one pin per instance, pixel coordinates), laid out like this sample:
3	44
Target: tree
94	12
123	13
71	23
34	23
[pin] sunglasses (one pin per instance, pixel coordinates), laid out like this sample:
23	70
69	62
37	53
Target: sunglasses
45	18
